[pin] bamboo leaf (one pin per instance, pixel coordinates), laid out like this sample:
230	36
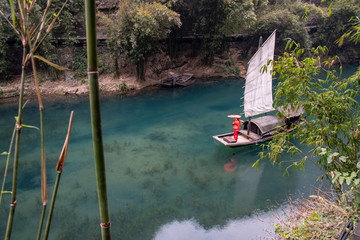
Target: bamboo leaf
56	17
331	157
10	192
322	151
305	15
4	153
24	125
348	180
53	64
343	158
29	126
337	175
51	24
341	180
329	8
356	181
61	162
256	164
11	2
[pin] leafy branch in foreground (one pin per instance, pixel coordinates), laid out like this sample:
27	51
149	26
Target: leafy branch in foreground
353	34
333	117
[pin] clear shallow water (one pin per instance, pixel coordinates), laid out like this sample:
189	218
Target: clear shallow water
165	173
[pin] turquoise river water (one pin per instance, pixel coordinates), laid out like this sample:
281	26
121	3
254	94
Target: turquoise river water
165	173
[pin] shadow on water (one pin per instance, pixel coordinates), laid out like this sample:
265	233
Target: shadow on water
164	170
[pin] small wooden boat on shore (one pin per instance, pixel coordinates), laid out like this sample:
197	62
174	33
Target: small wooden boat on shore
178	80
258	101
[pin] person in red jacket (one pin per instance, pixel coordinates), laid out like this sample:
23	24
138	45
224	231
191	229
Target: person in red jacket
236	125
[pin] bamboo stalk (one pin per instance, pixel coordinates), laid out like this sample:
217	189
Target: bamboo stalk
7	163
90	11
41	222
43	159
17	148
59	169
48	223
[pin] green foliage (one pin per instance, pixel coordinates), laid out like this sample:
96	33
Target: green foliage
3	63
335	24
310	13
123	87
137	28
213	20
230	67
315	218
353	34
9	49
333	115
71	22
106	64
79	64
241	15
68	26
209	18
288	25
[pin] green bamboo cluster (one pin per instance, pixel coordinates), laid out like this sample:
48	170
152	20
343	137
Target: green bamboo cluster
31	37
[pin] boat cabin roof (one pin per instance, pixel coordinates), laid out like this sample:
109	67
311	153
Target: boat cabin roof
268	123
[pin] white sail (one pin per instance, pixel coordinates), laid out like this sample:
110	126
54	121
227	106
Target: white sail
258	87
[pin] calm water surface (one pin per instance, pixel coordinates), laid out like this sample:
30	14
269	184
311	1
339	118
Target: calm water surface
165	173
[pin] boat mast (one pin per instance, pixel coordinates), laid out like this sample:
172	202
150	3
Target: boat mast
249	121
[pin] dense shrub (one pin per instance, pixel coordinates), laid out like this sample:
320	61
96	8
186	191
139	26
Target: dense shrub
335	25
288	25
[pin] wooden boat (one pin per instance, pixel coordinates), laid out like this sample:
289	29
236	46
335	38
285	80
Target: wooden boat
259	130
178	80
258	101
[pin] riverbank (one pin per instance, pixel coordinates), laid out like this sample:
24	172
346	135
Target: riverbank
125	83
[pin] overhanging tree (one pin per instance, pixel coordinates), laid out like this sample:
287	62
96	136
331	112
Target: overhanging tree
333	117
136	30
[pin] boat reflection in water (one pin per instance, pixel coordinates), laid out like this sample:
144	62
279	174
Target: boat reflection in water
230	166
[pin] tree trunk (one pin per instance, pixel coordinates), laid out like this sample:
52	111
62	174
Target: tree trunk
140	70
116	65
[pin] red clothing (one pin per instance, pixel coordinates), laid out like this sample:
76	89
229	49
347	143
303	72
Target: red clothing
236	134
236	125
